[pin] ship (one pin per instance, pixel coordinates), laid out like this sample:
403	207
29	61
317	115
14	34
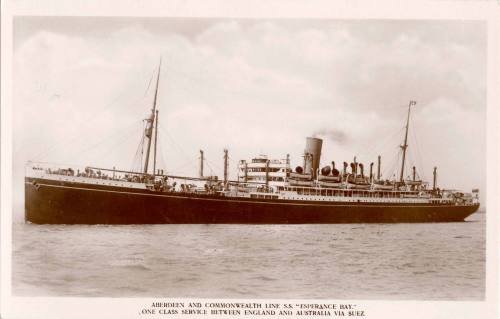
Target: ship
266	191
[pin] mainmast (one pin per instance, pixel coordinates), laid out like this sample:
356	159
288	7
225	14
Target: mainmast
405	145
156	143
151	121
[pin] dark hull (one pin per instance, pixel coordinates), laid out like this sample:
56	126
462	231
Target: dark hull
56	202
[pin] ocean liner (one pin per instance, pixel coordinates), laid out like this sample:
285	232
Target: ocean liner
266	191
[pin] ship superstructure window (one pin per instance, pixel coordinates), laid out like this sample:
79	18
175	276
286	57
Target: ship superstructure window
259	160
262	170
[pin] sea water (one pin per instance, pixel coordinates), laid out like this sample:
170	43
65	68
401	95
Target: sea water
436	261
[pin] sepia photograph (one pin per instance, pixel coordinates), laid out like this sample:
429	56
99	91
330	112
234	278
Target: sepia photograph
251	158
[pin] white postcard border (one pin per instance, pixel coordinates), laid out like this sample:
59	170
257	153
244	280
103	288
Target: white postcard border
22	307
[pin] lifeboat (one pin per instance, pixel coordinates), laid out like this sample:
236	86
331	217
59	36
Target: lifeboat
329	178
293	182
357	182
413	183
358	185
385	186
326	179
298	176
330	184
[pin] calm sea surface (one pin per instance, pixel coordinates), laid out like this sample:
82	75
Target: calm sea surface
358	261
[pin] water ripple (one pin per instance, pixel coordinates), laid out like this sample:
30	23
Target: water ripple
392	261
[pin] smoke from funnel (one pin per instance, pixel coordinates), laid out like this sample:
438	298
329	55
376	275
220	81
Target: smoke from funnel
332	134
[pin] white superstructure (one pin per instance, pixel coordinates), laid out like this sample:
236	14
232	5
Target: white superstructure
266	172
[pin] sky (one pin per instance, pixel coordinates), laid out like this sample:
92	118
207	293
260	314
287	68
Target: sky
83	85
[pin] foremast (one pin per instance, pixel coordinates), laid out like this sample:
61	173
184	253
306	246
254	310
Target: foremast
152	122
